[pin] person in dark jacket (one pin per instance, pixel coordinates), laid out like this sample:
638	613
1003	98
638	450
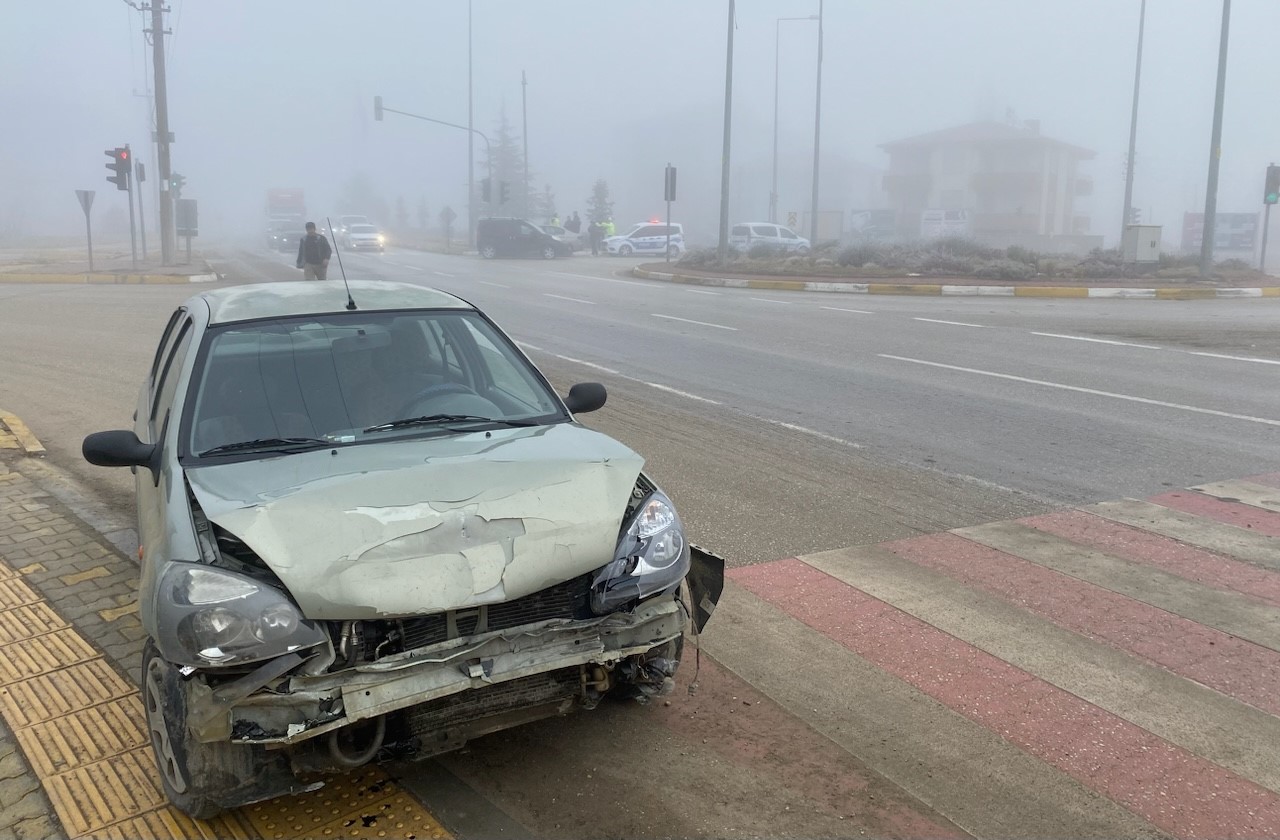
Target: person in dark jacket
313	254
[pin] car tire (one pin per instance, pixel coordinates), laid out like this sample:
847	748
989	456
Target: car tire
549	252
488	252
803	250
625	250
194	775
673	251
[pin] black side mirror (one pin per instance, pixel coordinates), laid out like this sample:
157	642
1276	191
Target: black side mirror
120	448
586	396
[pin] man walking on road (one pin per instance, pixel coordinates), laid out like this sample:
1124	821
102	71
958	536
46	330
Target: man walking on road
313	254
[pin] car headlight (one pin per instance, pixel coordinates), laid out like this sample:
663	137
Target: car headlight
381	239
210	617
652	557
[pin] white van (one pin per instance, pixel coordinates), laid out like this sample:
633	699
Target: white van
785	240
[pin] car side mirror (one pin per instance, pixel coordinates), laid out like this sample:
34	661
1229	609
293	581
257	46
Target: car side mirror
586	396
120	448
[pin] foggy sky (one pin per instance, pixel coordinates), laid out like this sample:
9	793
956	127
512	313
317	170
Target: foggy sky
279	94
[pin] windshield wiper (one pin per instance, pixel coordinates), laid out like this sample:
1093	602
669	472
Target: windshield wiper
439	419
287	444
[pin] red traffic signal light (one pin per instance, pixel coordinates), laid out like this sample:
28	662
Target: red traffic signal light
120	166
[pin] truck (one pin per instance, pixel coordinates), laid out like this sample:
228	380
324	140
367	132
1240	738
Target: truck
286	214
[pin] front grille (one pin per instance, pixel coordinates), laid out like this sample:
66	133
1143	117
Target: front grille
435	716
568	600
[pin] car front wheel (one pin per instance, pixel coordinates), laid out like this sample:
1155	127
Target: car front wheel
549	253
625	251
488	252
197	777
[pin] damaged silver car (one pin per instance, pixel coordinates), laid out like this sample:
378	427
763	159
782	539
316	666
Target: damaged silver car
370	528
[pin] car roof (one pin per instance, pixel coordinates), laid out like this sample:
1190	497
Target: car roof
273	300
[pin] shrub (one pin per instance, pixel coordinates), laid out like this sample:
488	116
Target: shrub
944	264
858	255
761	250
1005	270
1019	254
960	247
699	258
1234	264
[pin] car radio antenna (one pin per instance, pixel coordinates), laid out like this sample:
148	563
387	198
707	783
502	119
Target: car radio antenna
351	304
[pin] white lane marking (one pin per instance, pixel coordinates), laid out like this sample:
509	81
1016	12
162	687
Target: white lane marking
487	283
573	299
1235	358
804	430
523	346
838	309
444	274
677	392
602	279
700	292
404	265
689	321
952	323
771	300
587	364
1094	391
1099	340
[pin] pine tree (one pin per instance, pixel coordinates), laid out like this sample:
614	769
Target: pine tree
599	206
423	215
505	164
402	214
542	207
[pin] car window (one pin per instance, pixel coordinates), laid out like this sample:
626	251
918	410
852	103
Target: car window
170	373
787	233
553	230
526	229
741	230
163	348
764	230
647	230
332	376
363	229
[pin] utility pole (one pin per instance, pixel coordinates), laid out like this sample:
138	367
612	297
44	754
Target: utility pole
524	132
471	145
773	189
722	250
1215	151
1133	129
162	131
817	135
140	176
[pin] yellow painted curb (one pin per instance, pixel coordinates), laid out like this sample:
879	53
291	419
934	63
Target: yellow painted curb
20	431
1185	294
1271	291
1050	291
903	289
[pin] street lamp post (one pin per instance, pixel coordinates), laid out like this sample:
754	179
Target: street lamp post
379	108
1133	130
1215	151
817	134
722	249
773	189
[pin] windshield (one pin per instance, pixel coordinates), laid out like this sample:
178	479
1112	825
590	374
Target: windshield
363	229
297	383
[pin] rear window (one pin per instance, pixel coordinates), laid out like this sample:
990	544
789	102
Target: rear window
764	230
740	230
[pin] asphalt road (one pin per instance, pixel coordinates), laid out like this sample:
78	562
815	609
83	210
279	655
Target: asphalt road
782	424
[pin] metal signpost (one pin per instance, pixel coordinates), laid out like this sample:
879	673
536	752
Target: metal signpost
86	201
1270	195
187	221
669	194
141	175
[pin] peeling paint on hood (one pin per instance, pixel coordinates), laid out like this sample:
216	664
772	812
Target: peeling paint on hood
423	525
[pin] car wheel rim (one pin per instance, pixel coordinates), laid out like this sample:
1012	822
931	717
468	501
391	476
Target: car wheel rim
160	738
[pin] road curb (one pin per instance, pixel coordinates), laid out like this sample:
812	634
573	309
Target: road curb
30	445
962	290
108	279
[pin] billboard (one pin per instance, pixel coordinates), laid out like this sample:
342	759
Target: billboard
1235	233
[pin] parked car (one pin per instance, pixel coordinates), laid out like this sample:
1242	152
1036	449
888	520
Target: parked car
782	239
373	524
575	240
364	237
647	238
283	235
509	237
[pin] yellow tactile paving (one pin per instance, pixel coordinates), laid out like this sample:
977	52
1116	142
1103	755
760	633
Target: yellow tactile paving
43	654
18	623
83	737
171	824
81	577
58	693
6	571
399	817
97	795
14	592
299	816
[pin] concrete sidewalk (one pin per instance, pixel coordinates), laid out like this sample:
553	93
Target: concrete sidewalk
1143	289
111	265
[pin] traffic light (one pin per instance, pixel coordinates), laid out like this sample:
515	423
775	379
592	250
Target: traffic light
486	190
1271	195
176	183
120	164
504	192
1135	215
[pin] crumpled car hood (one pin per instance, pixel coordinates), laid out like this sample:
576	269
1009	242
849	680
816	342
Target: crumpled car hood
419	526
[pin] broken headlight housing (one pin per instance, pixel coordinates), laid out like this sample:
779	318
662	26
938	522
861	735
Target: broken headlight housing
209	617
652	557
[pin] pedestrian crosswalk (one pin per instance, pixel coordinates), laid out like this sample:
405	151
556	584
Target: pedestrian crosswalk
1107	671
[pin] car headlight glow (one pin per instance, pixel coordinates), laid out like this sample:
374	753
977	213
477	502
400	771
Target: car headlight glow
652	557
207	616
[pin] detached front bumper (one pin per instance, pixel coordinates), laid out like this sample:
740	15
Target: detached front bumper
305	707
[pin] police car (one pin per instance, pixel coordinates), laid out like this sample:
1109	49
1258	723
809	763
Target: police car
647	238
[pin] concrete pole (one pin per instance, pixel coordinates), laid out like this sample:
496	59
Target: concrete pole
1133	129
722	250
471	153
524	133
817	136
167	241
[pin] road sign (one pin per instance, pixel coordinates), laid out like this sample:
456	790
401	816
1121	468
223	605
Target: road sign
669	184
186	221
1271	192
86	200
791	220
